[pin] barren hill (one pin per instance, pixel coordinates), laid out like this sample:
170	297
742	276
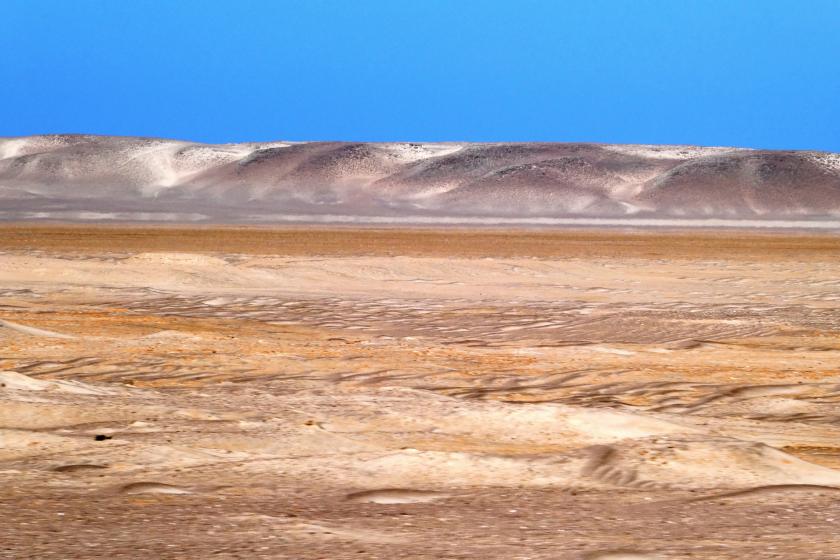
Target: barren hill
85	177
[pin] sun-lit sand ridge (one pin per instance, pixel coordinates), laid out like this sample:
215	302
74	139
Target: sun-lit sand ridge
345	393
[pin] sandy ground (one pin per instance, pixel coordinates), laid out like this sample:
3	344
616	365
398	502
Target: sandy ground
299	393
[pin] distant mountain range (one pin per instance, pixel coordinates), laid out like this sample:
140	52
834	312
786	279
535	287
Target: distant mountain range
85	177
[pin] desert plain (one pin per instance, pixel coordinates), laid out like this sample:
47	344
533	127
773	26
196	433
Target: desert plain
330	393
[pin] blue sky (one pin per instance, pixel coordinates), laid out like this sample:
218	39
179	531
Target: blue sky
746	73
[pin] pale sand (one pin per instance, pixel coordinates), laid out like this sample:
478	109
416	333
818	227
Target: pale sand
418	394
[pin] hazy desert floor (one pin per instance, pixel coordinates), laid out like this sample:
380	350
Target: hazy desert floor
256	393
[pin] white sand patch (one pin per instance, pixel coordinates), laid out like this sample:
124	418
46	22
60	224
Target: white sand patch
169	335
611	350
174	164
170	259
32	330
410	152
412	466
19	382
666	151
707	462
827	160
253	146
13	147
430	191
607	426
549	424
17	444
631	208
396	496
28	412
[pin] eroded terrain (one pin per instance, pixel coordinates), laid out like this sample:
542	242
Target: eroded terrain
364	394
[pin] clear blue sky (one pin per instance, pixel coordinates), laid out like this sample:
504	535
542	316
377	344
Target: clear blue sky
762	73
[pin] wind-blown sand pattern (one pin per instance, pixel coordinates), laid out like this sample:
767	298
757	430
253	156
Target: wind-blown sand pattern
233	393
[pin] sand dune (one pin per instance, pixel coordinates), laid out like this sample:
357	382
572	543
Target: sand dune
99	178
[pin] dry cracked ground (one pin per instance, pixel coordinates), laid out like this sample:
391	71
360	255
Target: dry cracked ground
329	394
